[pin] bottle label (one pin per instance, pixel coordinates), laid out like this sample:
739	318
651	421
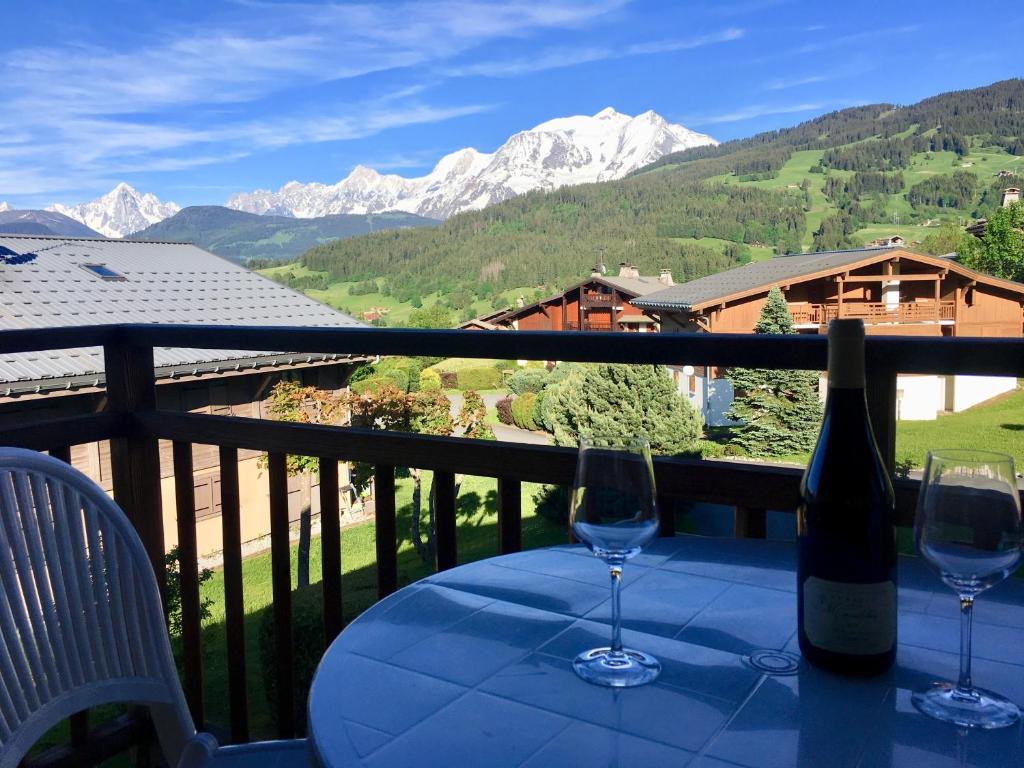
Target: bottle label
855	619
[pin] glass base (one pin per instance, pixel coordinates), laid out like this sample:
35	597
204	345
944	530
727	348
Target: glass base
624	669
983	709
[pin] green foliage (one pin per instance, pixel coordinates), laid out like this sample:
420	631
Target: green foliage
949	238
527	380
472	415
307	649
524	411
955	190
504	409
552	503
478	378
780	410
430	380
634	400
172	569
1001	252
435	316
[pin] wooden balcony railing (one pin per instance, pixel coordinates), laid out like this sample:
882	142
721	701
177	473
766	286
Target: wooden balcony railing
874	313
595	299
588	325
134	424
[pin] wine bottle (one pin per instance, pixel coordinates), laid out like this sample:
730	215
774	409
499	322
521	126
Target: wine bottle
846	534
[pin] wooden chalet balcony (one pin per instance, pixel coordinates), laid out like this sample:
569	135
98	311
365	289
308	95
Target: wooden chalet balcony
588	325
595	299
874	313
134	424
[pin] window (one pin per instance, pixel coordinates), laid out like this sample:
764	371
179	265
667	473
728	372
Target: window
103	271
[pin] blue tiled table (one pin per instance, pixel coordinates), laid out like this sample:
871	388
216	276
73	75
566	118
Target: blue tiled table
472	667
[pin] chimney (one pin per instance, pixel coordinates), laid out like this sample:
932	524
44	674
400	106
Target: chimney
1010	195
628	270
520	302
665	278
596	271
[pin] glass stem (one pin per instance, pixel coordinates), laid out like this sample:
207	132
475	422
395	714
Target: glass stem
616	574
964	687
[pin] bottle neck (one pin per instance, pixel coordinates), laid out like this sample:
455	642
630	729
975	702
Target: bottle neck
846	364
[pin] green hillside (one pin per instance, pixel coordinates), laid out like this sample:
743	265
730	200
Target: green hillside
242	236
837	181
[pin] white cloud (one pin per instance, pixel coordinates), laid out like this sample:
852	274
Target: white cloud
752	111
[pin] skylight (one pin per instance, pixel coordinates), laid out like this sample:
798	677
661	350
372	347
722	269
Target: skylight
103	271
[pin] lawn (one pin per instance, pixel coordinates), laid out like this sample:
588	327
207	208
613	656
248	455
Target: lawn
477	538
993	426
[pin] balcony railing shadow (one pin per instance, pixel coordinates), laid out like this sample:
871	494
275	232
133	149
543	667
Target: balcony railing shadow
134	425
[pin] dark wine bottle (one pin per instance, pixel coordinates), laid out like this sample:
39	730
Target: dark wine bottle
846	534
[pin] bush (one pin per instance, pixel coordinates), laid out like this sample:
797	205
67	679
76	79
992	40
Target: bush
449	380
478	378
430	380
528	380
504	408
396	378
410	367
523	408
362	373
552	503
307	649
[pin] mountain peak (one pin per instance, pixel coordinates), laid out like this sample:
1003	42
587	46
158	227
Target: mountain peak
4	206
120	212
563	151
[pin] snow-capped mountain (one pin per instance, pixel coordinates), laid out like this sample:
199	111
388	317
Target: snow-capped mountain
120	212
4	206
567	150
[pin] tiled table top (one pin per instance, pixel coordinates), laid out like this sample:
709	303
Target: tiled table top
472	667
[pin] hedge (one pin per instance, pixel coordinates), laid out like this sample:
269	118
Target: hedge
307	649
523	408
396	378
504	408
430	380
478	378
528	380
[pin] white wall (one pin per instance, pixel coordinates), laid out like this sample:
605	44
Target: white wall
919	398
971	390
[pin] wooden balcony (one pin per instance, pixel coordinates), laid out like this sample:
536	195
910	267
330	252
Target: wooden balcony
589	325
874	313
134	424
595	299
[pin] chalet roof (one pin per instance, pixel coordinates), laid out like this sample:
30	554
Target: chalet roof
632	286
761	275
48	282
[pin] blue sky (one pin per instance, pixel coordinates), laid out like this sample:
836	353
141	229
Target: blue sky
194	100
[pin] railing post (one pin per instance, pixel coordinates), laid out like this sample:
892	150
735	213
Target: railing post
510	516
384	523
330	547
881	396
281	586
667	516
188	574
445	546
234	598
750	523
135	458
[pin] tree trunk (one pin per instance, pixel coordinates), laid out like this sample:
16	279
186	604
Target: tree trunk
422	547
305	524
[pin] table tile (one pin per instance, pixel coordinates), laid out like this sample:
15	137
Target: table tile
743	561
662	603
989	641
399	624
917	668
477	729
476	647
652	556
589	745
683	665
379	687
744	618
904	737
809	720
547	593
650	712
589	569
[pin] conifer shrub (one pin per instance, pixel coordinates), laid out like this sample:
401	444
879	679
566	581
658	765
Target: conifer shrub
528	380
504	408
430	380
478	378
523	408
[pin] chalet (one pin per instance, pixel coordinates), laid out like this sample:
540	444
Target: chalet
894	291
484	322
51	282
599	303
1009	196
892	240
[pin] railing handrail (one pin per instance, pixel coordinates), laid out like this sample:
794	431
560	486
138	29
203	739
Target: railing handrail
934	355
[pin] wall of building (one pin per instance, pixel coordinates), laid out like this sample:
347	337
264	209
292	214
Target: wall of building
991	312
968	391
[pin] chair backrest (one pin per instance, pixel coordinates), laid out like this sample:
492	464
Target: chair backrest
80	617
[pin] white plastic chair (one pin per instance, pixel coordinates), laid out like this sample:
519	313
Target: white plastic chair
81	623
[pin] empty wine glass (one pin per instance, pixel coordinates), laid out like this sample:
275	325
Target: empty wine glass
613	512
968	528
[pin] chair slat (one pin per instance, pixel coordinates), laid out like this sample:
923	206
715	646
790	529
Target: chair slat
510	516
384	519
330	544
188	570
444	521
234	604
281	579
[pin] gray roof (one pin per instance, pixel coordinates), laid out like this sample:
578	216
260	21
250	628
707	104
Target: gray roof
43	284
639	286
752	276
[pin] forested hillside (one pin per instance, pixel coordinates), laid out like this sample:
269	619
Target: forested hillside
839	180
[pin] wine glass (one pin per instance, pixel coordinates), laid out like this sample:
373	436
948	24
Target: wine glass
613	512
968	528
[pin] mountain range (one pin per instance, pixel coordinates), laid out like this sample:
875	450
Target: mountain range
119	212
31	222
240	236
556	153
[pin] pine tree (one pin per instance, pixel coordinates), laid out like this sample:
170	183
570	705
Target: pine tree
627	400
780	410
